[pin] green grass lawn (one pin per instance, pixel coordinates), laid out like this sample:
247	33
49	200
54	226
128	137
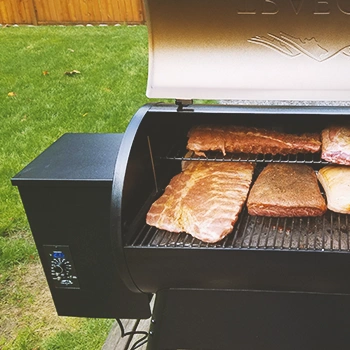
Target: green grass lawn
39	103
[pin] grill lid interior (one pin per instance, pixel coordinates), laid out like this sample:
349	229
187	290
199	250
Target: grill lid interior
249	49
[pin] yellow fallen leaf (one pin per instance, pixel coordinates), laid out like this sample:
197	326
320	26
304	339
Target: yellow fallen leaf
45	72
11	94
72	72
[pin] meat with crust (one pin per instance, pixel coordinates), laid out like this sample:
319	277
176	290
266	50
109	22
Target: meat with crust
335	180
239	139
336	144
204	200
286	190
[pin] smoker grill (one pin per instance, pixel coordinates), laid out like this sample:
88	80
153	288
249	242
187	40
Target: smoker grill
272	283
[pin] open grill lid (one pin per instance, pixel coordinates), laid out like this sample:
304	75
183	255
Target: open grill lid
249	49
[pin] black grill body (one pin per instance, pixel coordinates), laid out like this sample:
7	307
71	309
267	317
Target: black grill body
258	248
90	205
272	283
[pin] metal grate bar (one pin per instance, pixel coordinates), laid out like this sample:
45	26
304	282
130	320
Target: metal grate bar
156	239
267	234
307	233
147	235
284	233
179	153
235	235
316	230
324	231
275	235
291	231
339	232
260	233
244	234
174	238
331	232
347	228
327	233
252	231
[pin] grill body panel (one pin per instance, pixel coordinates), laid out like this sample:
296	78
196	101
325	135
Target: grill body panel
214	268
245	320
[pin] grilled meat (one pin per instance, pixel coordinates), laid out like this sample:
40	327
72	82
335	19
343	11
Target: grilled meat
336	182
238	139
336	144
286	190
204	200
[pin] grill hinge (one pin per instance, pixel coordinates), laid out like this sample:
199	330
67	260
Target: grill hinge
183	104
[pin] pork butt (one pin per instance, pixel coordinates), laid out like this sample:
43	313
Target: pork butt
335	180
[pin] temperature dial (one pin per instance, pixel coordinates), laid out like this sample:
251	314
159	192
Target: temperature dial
62	270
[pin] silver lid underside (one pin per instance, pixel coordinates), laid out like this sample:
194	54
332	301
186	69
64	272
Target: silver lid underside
249	49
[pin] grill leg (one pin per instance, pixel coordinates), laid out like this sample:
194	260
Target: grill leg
246	320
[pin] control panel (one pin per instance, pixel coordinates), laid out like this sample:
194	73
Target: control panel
62	269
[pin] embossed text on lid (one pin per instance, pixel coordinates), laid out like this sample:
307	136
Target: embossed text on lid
249	49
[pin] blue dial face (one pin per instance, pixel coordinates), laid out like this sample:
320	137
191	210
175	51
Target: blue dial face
58	255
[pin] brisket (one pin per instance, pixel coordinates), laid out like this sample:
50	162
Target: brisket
286	190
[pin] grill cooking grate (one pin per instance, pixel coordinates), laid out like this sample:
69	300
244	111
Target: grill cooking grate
329	232
179	153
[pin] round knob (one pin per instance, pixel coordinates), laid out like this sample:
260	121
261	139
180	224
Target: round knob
58	269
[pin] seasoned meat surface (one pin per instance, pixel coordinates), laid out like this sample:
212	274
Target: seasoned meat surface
204	200
239	139
336	144
335	180
286	190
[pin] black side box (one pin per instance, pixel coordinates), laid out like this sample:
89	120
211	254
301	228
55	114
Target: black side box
66	193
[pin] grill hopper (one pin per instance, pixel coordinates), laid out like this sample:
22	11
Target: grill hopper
249	49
